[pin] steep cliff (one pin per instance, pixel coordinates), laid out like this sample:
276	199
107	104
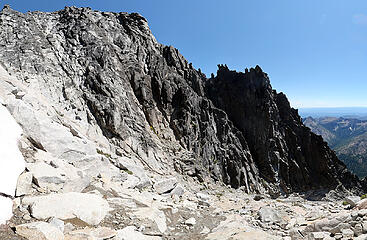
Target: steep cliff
107	74
285	151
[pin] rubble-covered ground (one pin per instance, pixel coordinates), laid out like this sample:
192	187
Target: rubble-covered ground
187	209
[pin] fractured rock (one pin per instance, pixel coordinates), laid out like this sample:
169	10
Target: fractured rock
165	186
178	191
46	176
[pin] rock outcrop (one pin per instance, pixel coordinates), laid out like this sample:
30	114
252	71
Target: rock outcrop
286	152
123	138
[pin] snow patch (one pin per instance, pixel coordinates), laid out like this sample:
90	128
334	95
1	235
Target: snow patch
6	209
11	161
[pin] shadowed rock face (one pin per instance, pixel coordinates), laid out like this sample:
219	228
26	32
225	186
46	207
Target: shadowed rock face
284	150
107	70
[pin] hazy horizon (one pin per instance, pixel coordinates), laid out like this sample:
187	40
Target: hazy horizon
349	112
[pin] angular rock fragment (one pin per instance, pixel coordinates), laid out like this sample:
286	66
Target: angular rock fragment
24	184
165	186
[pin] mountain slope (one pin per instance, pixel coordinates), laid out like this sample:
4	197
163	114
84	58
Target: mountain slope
124	139
106	71
348	137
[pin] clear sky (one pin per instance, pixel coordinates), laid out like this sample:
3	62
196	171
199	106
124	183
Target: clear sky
315	51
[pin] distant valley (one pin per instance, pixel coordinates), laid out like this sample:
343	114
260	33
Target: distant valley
346	136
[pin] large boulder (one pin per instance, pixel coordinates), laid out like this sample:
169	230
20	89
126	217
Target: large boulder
89	208
269	215
165	186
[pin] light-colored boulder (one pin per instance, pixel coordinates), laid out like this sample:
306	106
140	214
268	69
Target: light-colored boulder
333	225
361	237
39	231
358	229
130	232
362	204
46	176
178	191
130	166
154	215
24	184
317	235
364	227
202	196
234	227
352	200
268	215
89	208
362	212
190	221
58	223
100	233
347	233
165	186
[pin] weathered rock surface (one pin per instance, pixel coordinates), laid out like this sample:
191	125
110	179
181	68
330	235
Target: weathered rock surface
24	184
165	186
39	231
89	208
352	200
106	111
286	152
130	232
88	233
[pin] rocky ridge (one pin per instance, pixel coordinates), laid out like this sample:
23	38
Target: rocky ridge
124	139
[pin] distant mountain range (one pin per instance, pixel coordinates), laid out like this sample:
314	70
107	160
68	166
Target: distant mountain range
347	137
345	112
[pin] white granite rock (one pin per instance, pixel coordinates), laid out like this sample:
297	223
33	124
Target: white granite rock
165	186
130	233
39	231
89	208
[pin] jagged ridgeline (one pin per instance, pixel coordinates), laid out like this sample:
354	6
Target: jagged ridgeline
107	70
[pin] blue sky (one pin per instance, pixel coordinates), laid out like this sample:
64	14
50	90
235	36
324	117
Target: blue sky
315	51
